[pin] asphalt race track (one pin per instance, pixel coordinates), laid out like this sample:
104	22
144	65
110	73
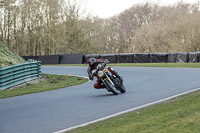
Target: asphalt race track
52	111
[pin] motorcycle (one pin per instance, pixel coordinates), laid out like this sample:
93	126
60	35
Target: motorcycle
112	83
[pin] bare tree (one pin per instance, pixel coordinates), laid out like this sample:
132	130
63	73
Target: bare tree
172	32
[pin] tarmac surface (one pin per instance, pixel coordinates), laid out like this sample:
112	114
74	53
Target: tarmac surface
55	110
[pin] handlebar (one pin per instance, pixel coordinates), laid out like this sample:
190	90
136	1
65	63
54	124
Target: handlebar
99	67
102	65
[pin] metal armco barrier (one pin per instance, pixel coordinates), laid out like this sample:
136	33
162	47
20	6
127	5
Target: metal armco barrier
18	74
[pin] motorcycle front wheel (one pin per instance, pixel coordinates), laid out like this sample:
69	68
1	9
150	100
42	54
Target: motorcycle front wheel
110	87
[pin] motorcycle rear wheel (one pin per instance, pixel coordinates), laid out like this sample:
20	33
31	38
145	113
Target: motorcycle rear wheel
122	89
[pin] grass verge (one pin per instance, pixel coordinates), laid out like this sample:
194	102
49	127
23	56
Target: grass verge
8	58
189	65
48	82
179	115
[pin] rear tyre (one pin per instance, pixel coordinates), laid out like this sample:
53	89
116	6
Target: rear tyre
110	87
122	89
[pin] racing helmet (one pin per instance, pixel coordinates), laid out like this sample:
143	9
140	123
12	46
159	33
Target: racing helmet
92	61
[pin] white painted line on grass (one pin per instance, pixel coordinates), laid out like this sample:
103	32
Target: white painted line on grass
126	111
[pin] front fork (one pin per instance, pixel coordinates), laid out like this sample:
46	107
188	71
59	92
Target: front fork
108	78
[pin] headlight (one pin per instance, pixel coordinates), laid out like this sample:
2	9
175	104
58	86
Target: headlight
100	74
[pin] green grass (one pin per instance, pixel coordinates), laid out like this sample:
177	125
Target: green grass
179	115
48	82
189	65
8	58
186	65
67	65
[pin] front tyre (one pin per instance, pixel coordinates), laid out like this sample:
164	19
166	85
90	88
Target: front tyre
110	87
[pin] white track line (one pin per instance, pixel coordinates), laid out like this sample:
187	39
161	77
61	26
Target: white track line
126	111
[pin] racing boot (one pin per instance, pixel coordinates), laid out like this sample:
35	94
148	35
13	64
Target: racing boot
99	85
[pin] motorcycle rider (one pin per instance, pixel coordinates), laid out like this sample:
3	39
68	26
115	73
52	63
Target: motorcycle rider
93	63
